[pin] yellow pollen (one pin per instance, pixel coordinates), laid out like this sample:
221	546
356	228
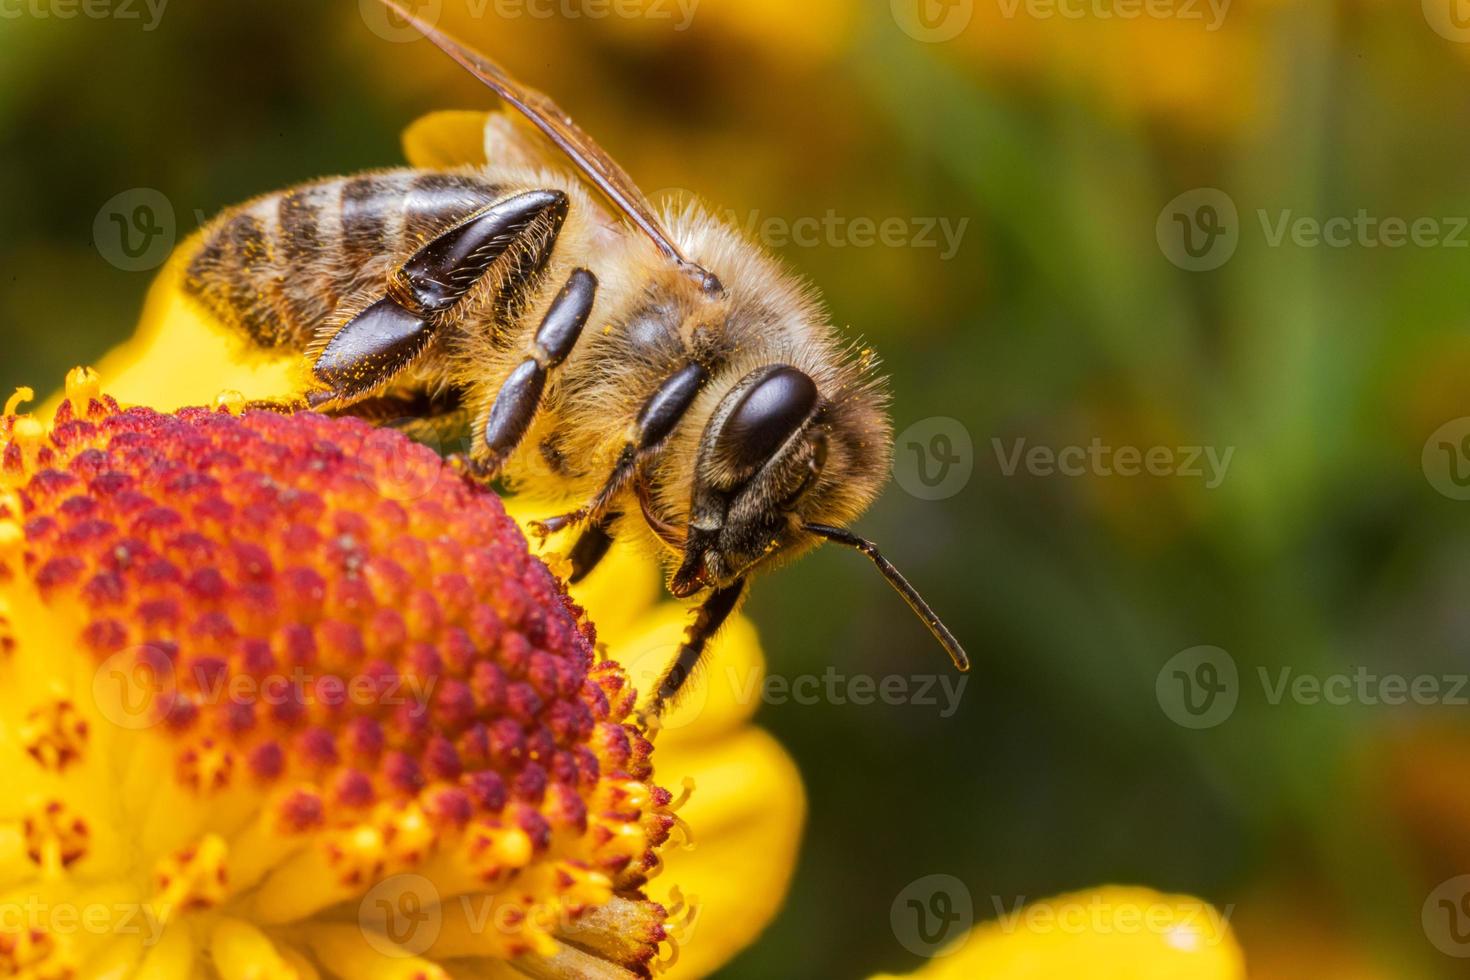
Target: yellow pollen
194	878
55	836
54	734
206	767
83	384
407	836
34	953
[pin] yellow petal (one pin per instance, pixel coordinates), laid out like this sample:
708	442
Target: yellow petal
451	138
347	952
725	689
170	958
242	952
747	811
1111	933
180	356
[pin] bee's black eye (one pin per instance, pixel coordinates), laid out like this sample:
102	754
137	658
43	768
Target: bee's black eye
768	412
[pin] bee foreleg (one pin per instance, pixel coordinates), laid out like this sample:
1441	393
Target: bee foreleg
519	397
656	420
710	617
591	547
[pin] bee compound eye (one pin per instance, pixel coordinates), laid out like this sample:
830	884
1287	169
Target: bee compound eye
768	412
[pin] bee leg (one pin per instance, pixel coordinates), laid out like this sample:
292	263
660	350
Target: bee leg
656	420
707	622
591	547
381	340
516	403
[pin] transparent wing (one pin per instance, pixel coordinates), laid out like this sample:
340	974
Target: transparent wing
548	117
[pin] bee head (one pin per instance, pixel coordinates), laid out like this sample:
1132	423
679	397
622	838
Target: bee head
765	468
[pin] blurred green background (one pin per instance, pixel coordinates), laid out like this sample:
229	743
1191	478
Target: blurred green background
1333	543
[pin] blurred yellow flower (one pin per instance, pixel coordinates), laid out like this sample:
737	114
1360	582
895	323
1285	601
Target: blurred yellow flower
748	797
1111	933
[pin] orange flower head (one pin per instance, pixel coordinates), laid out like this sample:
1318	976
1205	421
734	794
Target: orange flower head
298	696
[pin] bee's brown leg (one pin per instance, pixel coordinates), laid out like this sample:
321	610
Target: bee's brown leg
516	403
656	420
708	619
381	340
592	546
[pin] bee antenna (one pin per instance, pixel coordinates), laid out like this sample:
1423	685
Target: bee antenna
901	586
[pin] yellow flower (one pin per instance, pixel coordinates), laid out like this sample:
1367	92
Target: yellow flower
265	710
1112	933
748	799
284	698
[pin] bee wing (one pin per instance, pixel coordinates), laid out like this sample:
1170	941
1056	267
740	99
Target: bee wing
548	117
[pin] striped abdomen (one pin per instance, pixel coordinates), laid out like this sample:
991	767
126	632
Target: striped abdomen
277	267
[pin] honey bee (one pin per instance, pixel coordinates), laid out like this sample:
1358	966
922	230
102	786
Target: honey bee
600	351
